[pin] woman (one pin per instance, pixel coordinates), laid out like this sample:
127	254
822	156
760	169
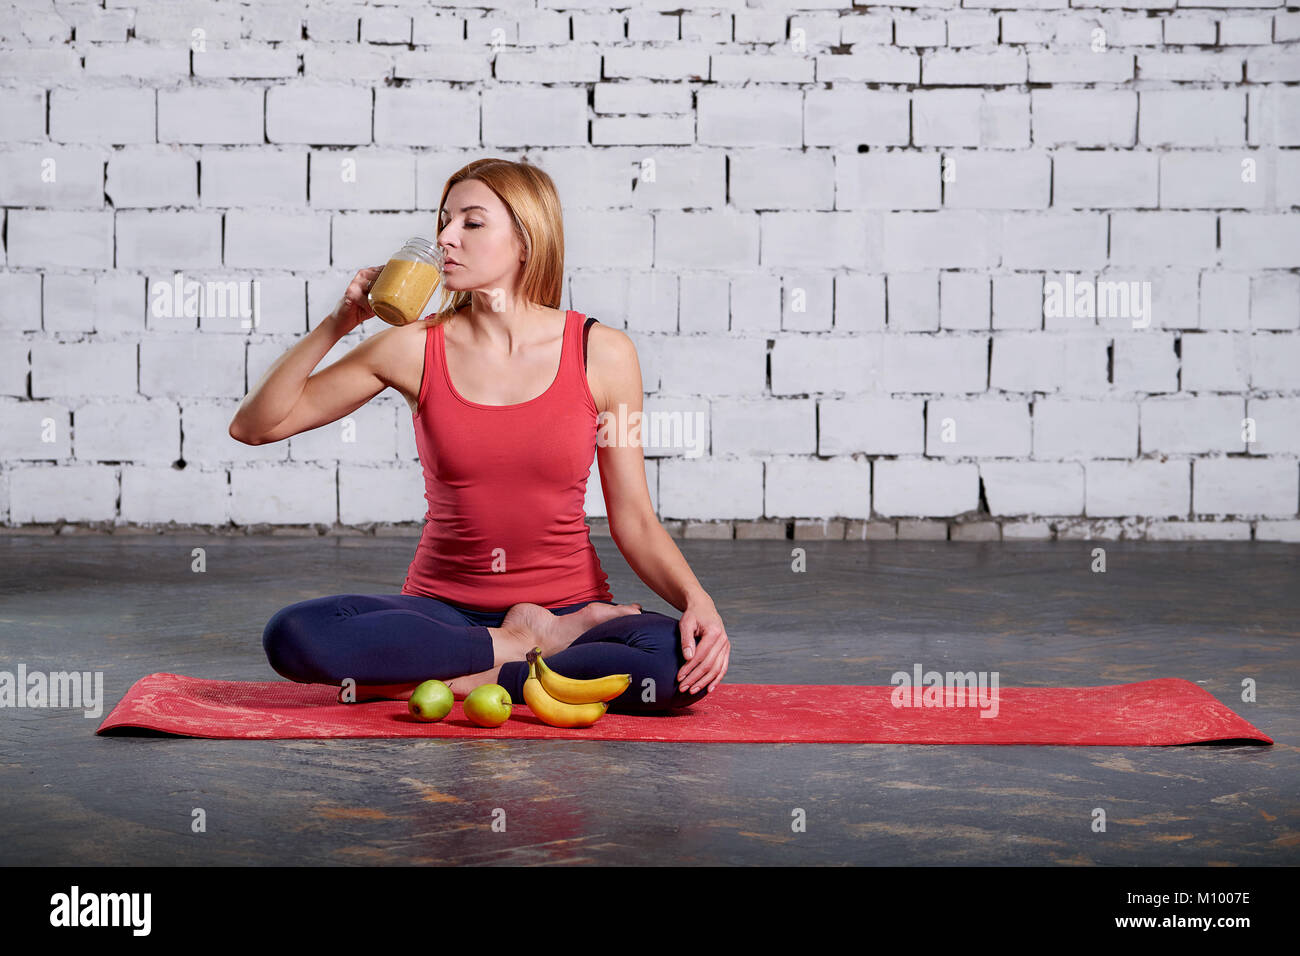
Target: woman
506	434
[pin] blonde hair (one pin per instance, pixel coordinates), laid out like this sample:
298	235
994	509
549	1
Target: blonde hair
531	198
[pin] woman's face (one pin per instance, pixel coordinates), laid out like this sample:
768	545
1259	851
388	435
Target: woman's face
477	233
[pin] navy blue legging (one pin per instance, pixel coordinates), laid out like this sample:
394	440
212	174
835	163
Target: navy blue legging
408	638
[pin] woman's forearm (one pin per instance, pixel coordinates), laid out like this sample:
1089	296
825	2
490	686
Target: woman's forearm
654	556
269	402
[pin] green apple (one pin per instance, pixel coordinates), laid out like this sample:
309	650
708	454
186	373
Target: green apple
488	705
431	701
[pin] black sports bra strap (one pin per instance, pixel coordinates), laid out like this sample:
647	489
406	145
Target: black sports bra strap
586	328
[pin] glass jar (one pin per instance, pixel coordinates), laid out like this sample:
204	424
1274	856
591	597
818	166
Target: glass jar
403	288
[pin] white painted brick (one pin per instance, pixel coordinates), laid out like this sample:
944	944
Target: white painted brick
1225	300
964	300
761	27
1018	301
542	66
1026	531
876	425
860	302
1190	29
426	117
1004	119
1286	26
870	65
334	23
1088	179
652	302
1051	66
1274	116
998	181
318	113
806	302
1006	65
1277	531
169	239
1162	238
710	489
736	117
362	237
812	364
1259	240
682	178
49	238
385	26
1176	426
1032	488
112	116
1274	361
69	302
945	364
40	65
258	239
642	98
911	487
947	118
14	365
143	431
1145	361
388	494
1145	487
972	29
1184	66
1216	362
247	177
1192	118
35	431
755	303
771	427
373	180
1053	240
1245	486
210	115
979	428
1275	300
83	368
888	180
283	493
650	25
803	488
50	493
760	68
837	116
703	27
1198	531
1272	65
919	30
1277	425
781	179
1070	117
705	306
247	62
166	22
1207	180
275	24
193	364
53	177
1065	362
811	240
1073	428
624	239
152	176
22	115
685	240
159	494
949	239
913	299
715	365
521	116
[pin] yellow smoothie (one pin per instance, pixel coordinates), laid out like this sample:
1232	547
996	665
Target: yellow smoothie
399	294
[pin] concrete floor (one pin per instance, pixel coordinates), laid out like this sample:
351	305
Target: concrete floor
1213	613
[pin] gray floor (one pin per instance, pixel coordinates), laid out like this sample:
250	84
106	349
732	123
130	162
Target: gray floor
1213	613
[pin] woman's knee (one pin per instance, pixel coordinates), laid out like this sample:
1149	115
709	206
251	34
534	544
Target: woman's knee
285	639
656	689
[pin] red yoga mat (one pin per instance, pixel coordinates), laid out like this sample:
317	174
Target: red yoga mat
1153	712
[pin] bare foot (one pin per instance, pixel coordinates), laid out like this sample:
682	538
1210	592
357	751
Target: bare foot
531	625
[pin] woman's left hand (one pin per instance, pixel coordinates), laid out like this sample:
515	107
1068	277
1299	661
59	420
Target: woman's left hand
707	661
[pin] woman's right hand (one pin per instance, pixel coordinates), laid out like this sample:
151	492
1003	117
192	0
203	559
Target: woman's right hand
354	307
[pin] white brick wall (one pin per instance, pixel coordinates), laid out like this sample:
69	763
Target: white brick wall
840	263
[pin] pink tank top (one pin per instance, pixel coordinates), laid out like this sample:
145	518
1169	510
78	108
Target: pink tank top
505	486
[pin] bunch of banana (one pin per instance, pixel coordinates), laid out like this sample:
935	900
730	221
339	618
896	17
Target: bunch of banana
565	701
